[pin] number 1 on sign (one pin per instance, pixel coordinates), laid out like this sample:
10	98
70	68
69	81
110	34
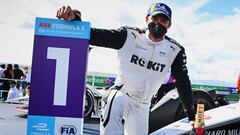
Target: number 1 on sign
61	55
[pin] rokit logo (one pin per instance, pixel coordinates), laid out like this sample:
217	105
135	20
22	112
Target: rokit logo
68	130
148	64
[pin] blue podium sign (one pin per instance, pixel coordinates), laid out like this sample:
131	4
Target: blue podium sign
59	67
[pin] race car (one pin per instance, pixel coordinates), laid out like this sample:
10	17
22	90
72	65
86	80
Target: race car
224	120
169	108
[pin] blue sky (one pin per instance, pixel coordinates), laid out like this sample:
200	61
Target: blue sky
220	7
208	29
215	7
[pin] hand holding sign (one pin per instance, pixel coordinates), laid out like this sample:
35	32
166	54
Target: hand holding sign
69	14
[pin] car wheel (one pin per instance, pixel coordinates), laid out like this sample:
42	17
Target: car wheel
221	101
88	107
197	96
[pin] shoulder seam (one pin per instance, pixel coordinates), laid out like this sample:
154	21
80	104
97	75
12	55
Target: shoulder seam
173	41
140	31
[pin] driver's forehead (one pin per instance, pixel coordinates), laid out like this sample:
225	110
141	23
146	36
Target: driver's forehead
159	16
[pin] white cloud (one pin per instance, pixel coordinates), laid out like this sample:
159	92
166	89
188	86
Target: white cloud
211	42
211	45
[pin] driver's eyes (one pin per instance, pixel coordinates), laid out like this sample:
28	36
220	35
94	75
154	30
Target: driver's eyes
160	18
154	18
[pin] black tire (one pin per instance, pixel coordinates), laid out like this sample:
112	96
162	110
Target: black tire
89	105
221	101
197	96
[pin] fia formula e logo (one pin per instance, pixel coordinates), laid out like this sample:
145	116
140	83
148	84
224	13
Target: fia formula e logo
41	127
68	130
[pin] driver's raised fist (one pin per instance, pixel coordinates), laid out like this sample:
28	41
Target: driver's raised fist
65	13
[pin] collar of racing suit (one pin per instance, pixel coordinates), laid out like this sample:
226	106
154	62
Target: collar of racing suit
150	42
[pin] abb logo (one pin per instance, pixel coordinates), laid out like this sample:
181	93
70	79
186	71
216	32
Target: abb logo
45	25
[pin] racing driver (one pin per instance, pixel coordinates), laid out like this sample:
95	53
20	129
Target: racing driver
144	58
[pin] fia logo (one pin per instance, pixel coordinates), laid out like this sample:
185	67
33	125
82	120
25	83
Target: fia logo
68	130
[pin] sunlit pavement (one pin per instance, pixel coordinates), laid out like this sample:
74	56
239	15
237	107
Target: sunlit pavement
15	123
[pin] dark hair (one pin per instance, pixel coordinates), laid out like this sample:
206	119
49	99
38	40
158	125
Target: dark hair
25	68
15	66
28	85
12	82
9	66
3	66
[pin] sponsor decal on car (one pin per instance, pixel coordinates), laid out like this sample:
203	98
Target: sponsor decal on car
223	92
206	117
224	132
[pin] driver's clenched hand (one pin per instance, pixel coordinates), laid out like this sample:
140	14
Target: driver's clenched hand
65	13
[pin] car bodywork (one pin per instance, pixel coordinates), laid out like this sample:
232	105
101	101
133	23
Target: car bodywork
224	120
169	109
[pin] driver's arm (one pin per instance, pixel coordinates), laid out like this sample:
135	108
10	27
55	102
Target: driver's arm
114	39
183	84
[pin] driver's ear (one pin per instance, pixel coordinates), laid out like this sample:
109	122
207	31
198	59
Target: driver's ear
146	19
169	25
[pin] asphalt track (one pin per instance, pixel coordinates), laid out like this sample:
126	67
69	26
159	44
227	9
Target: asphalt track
15	123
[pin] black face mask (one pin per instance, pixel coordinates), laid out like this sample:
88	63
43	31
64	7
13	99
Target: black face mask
157	30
